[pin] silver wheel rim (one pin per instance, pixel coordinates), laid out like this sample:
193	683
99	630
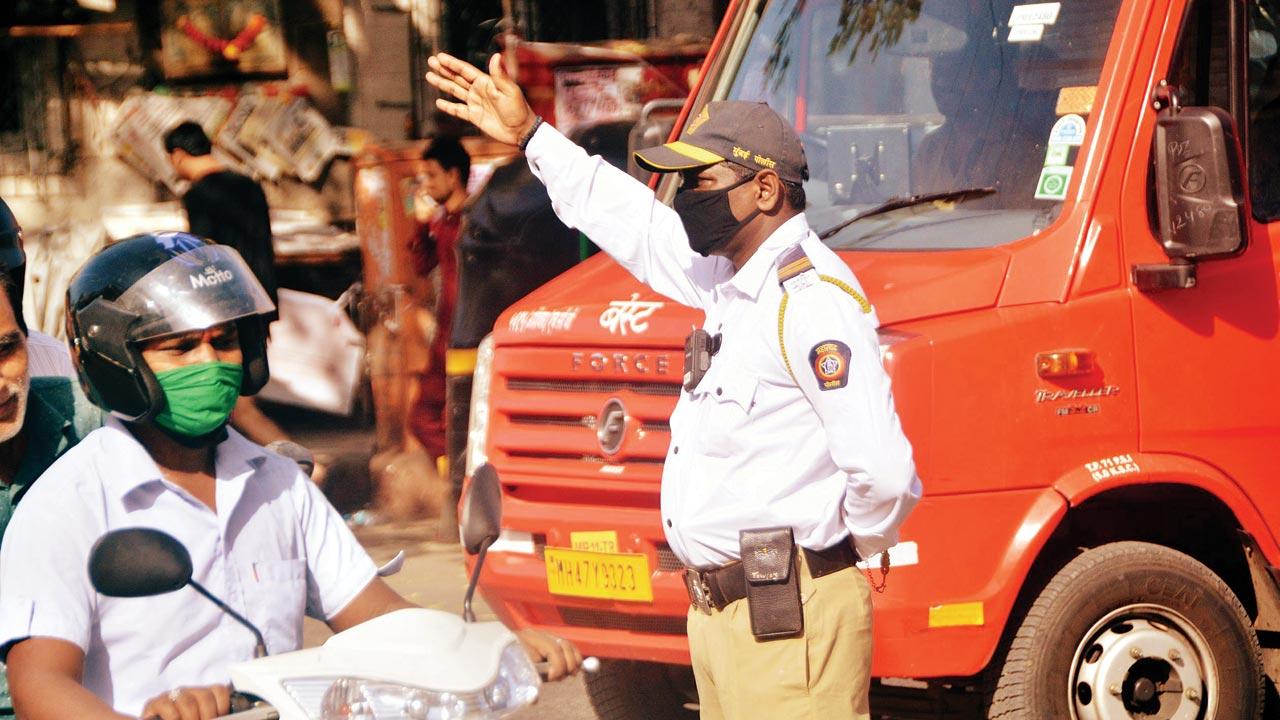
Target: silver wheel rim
1143	662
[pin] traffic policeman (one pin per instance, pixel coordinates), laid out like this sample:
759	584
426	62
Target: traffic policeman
787	459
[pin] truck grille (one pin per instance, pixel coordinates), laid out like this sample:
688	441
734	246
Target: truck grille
608	620
667	560
556	413
574	386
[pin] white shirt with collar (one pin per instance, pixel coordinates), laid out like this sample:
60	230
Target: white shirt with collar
47	355
751	446
274	550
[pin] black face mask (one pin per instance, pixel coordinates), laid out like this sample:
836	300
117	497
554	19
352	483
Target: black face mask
708	220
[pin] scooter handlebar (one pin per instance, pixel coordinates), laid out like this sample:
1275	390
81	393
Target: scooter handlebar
590	664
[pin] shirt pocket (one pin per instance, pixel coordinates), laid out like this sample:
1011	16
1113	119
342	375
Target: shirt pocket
729	397
276	596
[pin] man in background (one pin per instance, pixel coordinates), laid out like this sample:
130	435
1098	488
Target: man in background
446	168
42	412
222	205
232	210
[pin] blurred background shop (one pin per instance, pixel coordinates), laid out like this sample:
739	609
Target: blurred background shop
323	102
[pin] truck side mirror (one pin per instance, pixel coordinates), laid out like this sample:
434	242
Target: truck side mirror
1199	184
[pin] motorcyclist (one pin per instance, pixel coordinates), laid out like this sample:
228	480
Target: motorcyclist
167	331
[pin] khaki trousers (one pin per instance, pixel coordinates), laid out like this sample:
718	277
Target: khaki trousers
823	675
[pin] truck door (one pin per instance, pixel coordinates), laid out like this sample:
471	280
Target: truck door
1207	355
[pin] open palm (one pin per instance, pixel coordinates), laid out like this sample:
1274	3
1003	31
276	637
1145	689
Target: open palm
492	102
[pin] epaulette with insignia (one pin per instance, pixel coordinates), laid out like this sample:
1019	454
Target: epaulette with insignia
795	273
795	270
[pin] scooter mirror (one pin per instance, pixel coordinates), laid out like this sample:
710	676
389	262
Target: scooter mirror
138	562
481	516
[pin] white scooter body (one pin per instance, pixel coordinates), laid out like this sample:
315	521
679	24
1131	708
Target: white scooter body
416	647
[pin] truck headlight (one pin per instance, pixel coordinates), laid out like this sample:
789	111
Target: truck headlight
351	698
478	424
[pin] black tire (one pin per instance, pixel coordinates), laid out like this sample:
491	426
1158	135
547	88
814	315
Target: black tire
1099	638
631	690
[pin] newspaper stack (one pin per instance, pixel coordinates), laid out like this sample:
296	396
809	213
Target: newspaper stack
261	135
144	120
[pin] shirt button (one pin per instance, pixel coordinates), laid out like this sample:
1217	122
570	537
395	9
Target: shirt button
719	391
668	522
675	450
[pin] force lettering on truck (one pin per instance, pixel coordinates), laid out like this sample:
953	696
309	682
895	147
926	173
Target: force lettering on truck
624	317
621	362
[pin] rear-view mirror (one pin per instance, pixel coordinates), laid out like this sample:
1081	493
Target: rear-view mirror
481	515
138	562
1199	184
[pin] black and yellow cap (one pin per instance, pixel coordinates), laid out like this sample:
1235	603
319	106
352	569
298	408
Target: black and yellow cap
749	134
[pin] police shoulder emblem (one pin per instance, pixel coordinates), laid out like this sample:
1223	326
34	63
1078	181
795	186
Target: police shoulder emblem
830	362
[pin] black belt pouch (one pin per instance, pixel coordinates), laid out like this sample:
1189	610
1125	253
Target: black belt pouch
773	583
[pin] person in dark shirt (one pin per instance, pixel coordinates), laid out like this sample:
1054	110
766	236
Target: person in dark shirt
229	209
221	205
446	167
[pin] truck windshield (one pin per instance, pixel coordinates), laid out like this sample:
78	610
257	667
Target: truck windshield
902	98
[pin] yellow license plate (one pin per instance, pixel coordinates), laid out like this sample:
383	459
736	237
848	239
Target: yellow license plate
608	576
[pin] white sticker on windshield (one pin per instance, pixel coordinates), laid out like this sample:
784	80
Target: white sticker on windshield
1069	130
1035	14
1026	33
1056	154
1053	183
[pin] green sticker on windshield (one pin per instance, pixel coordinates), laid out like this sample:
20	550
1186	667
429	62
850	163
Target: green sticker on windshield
1057	154
1053	183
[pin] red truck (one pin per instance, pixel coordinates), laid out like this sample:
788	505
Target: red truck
1064	213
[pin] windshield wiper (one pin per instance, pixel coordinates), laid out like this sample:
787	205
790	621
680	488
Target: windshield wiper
897	203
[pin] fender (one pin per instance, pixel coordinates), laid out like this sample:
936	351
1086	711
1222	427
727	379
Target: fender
945	616
971	641
1082	483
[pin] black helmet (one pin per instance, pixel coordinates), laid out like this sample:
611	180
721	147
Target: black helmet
148	286
13	261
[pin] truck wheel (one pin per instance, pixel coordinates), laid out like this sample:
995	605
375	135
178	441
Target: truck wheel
1132	630
631	690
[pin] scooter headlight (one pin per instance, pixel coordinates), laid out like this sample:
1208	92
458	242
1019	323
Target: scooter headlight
349	698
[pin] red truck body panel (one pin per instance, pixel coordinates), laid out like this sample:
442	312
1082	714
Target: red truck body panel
1180	394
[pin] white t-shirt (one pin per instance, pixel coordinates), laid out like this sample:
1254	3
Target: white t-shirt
47	355
274	550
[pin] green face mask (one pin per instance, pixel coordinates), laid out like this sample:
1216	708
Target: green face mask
198	398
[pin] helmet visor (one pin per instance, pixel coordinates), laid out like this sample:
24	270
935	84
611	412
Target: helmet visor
196	290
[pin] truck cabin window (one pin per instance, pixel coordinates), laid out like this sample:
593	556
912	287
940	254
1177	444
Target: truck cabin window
897	98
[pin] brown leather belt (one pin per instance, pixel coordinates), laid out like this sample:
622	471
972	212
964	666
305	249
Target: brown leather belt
715	589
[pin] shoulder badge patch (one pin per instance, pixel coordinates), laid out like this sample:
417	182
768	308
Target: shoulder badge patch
830	362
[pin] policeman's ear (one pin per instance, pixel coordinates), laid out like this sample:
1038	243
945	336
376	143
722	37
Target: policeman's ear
770	193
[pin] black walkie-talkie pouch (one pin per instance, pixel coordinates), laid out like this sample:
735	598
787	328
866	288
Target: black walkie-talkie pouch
773	582
699	347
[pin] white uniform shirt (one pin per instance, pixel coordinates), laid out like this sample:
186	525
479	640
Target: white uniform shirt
274	549
48	355
750	446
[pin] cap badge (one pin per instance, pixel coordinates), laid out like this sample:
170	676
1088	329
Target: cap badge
701	118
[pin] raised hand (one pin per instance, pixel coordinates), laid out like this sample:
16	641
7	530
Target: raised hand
492	102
